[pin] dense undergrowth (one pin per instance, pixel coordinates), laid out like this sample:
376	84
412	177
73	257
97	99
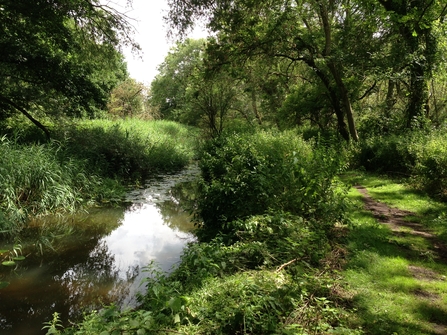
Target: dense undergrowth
421	156
274	225
86	162
259	269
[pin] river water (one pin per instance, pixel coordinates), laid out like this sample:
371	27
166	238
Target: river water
95	258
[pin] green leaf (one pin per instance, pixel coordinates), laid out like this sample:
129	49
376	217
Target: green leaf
3	284
2	251
175	304
8	263
134	323
177	318
19	258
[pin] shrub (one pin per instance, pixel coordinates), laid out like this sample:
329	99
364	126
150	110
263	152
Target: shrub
388	154
430	168
418	155
250	174
264	283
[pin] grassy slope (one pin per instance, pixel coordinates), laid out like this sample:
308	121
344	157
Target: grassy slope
396	282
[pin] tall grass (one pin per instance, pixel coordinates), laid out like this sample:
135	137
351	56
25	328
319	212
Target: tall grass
34	181
129	149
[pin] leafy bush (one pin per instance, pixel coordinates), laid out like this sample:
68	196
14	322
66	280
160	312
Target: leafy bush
256	285
390	154
430	168
418	155
250	174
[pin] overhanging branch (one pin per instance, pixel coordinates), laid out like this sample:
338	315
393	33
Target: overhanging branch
28	115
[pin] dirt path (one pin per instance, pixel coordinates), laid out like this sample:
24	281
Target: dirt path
395	219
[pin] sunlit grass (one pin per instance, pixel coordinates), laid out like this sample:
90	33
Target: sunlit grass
397	284
397	193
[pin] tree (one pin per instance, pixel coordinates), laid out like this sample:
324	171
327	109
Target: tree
350	47
414	23
169	87
128	99
61	52
321	34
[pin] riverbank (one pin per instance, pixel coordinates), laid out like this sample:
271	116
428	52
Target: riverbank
373	279
86	163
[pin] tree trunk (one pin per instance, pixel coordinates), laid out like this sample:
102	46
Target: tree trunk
389	100
343	92
254	105
334	98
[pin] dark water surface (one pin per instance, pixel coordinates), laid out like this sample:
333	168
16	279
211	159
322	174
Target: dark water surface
98	257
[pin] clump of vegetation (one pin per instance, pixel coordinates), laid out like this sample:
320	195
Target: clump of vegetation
250	174
429	172
419	156
34	181
266	267
129	149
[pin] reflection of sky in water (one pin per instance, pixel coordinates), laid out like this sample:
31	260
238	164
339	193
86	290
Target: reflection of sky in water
143	237
102	260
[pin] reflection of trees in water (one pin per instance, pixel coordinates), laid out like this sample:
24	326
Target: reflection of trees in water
79	274
96	281
81	271
177	213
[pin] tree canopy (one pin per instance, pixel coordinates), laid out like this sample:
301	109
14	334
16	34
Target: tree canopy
59	55
340	54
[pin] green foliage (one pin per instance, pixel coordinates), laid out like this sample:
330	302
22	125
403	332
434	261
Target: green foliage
306	102
34	181
129	149
66	60
169	88
388	154
263	283
248	174
129	99
110	321
418	155
430	168
53	325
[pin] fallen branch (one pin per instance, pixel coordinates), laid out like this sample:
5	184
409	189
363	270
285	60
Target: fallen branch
285	264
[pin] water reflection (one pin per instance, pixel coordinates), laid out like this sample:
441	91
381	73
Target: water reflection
100	262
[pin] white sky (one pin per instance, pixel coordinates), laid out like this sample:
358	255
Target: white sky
150	35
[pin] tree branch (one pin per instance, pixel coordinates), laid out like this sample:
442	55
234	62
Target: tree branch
29	116
368	91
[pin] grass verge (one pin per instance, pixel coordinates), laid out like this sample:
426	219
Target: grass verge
396	284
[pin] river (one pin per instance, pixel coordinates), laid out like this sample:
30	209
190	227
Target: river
95	258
